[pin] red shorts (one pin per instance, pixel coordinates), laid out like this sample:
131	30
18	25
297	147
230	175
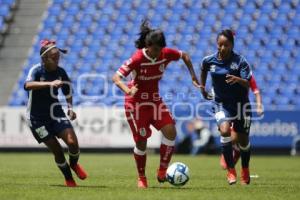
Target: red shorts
140	115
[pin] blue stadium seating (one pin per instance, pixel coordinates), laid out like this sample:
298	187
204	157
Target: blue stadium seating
6	7
100	36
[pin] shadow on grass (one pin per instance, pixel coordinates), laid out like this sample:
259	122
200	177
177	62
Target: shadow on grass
171	188
80	186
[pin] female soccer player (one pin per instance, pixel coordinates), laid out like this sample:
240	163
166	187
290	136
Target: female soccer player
259	110
45	115
230	73
143	105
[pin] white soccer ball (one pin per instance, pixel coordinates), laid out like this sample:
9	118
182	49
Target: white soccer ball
178	174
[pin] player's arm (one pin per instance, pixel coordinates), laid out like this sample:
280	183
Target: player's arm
117	79
36	85
124	71
258	98
245	75
187	60
203	78
231	79
67	91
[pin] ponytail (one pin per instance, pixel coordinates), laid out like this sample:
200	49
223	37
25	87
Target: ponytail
149	36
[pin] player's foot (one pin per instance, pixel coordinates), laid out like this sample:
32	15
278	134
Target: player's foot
161	175
245	176
142	182
79	171
231	176
70	183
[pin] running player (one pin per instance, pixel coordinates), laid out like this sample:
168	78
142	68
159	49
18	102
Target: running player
143	104
45	115
230	73
259	110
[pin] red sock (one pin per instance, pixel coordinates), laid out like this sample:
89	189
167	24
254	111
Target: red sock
140	161
165	155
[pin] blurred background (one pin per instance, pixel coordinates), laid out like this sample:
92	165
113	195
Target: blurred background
100	35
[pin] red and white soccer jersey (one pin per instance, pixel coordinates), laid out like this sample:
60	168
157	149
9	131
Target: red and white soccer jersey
253	85
146	107
146	72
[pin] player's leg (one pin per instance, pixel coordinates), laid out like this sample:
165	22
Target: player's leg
165	123
140	157
54	146
69	137
223	118
242	126
43	132
166	150
235	148
141	131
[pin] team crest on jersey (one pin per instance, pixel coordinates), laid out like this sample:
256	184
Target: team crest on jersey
162	67
143	132
42	78
213	68
234	66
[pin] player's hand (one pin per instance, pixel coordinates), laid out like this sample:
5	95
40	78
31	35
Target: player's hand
231	79
206	95
133	90
72	115
56	83
260	109
195	82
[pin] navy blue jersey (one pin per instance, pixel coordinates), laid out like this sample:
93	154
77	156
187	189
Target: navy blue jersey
43	103
237	66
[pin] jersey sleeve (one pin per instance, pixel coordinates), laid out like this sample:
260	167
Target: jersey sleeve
128	66
253	85
245	70
204	65
67	84
172	54
31	76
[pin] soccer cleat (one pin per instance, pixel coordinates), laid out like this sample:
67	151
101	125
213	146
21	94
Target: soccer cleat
70	183
142	182
79	171
245	176
161	175
231	176
236	157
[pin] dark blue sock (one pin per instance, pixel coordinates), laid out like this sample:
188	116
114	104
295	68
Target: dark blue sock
227	153
245	157
65	169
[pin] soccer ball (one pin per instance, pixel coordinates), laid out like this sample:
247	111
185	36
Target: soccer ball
178	174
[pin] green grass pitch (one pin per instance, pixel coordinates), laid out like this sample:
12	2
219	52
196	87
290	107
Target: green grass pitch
113	176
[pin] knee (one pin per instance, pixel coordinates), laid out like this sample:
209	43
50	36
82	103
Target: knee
72	144
225	131
141	145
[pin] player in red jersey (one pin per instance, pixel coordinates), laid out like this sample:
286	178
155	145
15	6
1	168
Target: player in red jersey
143	104
259	110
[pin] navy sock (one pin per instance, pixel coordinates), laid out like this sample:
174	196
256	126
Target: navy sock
65	169
227	153
73	158
245	156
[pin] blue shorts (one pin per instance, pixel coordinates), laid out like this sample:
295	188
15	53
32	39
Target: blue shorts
237	114
43	130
